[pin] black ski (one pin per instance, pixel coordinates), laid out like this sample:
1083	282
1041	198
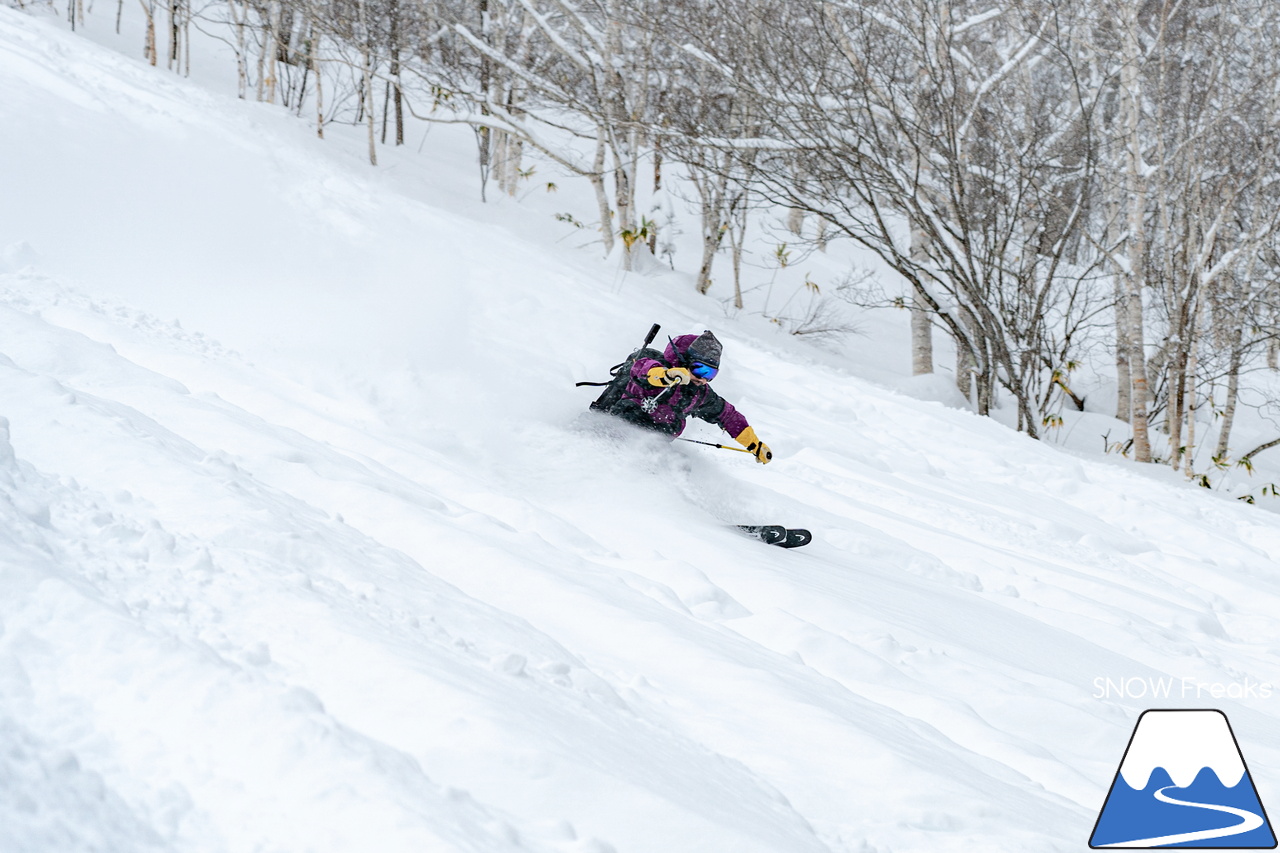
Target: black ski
776	534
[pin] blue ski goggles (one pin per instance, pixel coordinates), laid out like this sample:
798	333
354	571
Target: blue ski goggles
703	371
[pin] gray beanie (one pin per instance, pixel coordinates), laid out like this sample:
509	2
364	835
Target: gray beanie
706	349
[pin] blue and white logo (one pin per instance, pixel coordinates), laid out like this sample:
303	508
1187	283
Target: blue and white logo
1183	783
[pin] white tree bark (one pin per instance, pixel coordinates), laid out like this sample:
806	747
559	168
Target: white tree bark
1136	191
366	83
149	39
921	322
596	175
315	45
1192	370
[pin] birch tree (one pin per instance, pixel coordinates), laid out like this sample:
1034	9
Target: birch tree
596	68
951	117
1194	101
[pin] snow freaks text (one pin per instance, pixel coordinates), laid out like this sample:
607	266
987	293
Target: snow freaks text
1150	687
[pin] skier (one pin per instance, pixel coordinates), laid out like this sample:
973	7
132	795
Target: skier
663	392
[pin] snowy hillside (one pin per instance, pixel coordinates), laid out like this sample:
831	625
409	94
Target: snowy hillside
303	545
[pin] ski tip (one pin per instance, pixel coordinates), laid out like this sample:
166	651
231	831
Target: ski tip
776	534
797	537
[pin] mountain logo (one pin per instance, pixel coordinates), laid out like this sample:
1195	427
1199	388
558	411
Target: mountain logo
1183	783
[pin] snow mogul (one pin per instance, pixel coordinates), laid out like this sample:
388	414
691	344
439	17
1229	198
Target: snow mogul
659	391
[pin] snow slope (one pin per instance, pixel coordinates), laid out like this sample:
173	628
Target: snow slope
304	546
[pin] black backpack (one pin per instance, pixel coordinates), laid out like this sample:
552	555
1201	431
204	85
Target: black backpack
621	375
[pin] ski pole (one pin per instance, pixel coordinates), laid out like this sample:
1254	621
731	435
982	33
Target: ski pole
710	444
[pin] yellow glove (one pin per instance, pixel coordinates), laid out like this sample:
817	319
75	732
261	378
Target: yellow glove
748	439
664	377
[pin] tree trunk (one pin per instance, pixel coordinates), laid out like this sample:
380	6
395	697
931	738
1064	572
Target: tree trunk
149	43
368	91
982	391
712	189
398	104
624	193
500	169
737	238
736	228
617	123
367	57
175	32
657	188
515	156
386	109
1141	394
313	49
602	195
272	51
502	162
921	340
1177	373
484	134
921	323
1233	387
1190	384
397	92
238	15
966	367
710	245
507	153
262	72
1136	193
1124	380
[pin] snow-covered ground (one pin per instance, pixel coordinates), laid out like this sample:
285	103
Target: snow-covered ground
304	545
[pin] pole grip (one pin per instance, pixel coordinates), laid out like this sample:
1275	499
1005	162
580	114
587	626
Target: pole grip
653	333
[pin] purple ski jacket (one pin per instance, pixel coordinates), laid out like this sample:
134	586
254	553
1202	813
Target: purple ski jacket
682	401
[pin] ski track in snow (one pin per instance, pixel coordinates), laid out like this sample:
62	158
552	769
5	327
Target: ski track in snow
252	605
1248	822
